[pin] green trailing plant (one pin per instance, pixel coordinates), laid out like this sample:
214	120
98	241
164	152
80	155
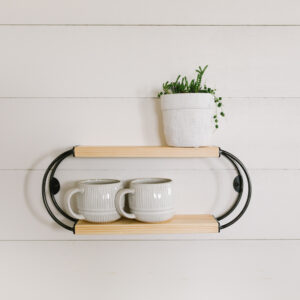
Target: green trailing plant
182	85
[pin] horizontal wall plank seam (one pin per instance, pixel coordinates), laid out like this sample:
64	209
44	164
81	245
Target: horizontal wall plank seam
158	169
155	240
140	98
157	25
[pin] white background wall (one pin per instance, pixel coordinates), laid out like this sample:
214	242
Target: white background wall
87	72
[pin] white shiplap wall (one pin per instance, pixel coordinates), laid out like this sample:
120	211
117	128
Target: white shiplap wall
87	72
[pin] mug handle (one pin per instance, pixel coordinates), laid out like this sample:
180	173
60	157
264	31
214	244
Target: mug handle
68	199
118	203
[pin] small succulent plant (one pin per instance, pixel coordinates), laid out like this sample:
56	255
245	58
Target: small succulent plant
182	85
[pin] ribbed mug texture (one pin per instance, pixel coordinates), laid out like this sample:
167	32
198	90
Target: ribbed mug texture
96	203
152	200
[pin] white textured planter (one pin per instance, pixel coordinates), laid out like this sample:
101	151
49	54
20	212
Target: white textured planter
188	119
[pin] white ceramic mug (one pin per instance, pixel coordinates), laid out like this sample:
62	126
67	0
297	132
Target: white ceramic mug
150	200
95	200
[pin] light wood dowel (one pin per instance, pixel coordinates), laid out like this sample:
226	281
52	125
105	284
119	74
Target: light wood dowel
178	225
142	151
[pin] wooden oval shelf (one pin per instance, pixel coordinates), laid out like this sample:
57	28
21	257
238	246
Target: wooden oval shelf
178	225
143	151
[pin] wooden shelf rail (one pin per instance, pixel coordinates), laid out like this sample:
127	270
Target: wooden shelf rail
144	151
178	225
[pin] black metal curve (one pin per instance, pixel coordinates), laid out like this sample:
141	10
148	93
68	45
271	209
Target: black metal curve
68	153
237	200
54	164
233	159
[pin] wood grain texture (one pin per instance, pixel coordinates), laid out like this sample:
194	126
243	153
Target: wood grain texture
178	225
140	151
135	61
149	12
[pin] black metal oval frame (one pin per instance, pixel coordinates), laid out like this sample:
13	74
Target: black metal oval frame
238	185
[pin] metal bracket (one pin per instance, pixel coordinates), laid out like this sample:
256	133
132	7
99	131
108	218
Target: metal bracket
54	186
238	183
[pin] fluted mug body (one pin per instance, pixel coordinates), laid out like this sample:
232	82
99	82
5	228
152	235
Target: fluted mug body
95	200
150	200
